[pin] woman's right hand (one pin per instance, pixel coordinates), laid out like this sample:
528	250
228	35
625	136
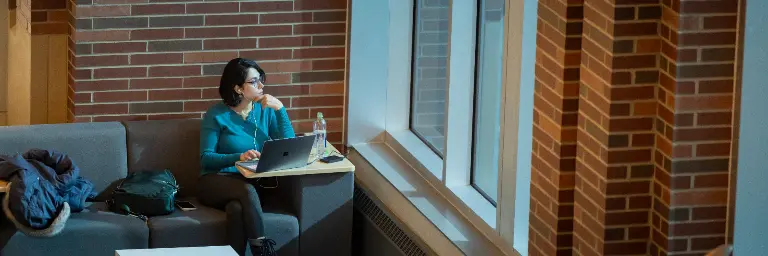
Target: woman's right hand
249	155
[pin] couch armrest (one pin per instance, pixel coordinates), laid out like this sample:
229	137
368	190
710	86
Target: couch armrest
323	205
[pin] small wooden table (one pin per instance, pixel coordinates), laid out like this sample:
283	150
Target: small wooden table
316	167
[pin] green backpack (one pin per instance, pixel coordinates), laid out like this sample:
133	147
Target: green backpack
145	193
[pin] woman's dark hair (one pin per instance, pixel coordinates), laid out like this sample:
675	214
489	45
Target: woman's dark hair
235	74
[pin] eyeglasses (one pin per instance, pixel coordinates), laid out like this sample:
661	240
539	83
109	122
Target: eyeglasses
256	81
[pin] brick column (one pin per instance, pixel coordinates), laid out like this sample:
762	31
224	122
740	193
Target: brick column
654	133
615	133
694	126
554	130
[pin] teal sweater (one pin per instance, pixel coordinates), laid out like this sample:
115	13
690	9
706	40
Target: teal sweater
224	135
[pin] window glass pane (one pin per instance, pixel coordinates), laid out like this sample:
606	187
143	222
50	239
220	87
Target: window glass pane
490	53
429	76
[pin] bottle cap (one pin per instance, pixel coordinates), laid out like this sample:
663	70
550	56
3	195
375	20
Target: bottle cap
319	115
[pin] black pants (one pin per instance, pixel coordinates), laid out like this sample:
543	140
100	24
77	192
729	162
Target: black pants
217	189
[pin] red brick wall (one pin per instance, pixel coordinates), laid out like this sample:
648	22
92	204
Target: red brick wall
553	164
157	59
616	137
50	17
697	77
650	149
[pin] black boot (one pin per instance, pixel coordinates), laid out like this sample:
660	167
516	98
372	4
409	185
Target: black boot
263	247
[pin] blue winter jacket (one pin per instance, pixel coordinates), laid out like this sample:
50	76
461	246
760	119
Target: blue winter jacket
41	181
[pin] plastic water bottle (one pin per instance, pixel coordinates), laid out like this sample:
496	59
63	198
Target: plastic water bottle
320	139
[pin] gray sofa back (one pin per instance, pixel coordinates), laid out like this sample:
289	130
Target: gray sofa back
107	151
98	149
166	144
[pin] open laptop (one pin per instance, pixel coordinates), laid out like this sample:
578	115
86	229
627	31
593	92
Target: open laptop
282	154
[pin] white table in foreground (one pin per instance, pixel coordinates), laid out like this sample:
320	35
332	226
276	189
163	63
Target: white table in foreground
315	168
180	251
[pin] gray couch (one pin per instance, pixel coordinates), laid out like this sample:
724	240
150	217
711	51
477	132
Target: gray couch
305	215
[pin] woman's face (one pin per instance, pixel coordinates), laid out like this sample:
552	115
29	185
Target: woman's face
252	89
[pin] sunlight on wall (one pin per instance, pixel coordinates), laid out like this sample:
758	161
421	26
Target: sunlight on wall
49	84
19	41
3	63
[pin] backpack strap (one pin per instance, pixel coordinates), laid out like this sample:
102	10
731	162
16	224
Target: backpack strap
124	209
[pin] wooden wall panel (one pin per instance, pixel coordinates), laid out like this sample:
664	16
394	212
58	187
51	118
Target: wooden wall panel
57	78
49	84
19	53
39	84
3	62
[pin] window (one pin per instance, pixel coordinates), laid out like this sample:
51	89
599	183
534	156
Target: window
429	77
435	111
488	85
432	35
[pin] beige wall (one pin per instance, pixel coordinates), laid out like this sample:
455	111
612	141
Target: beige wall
3	61
19	43
49	79
31	96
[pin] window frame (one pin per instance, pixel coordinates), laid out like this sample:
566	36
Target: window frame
450	172
414	31
371	119
478	35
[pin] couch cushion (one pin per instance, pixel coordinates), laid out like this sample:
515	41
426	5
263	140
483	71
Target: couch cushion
166	144
208	226
94	231
97	148
204	226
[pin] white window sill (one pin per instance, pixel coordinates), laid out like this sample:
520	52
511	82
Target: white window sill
423	208
419	154
477	202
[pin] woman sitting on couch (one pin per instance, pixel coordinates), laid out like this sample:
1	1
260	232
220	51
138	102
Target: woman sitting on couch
235	130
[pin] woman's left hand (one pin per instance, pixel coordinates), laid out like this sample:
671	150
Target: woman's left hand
270	101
